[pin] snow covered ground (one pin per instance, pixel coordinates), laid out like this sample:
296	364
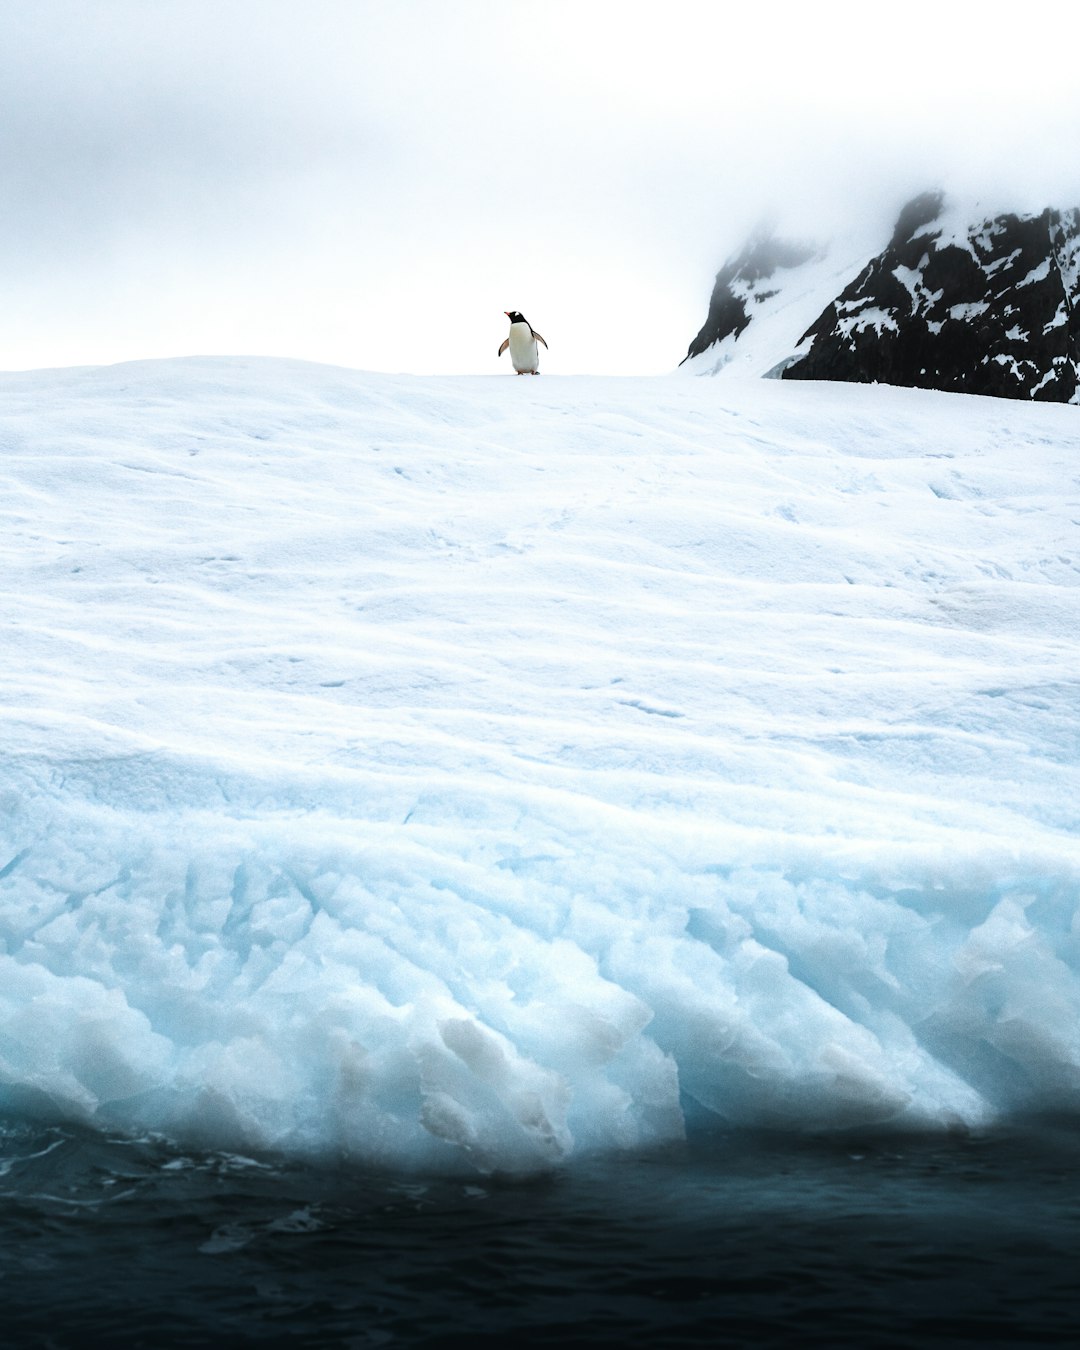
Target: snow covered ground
469	772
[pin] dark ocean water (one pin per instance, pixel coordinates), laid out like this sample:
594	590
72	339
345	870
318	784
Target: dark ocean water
733	1240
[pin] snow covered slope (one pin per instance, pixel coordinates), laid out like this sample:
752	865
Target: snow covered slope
767	297
471	772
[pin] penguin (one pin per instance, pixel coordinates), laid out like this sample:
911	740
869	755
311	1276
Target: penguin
522	343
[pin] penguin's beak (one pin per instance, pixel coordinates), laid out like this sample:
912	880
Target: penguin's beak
506	312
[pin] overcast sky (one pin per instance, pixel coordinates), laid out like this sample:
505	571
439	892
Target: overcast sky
373	182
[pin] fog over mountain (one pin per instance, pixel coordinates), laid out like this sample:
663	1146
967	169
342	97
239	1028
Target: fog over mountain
374	184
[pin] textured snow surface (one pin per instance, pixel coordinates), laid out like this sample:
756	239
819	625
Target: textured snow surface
472	772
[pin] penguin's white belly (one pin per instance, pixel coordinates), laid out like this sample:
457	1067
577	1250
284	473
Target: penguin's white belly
523	351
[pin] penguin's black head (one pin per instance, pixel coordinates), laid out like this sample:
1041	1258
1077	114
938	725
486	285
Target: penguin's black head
514	316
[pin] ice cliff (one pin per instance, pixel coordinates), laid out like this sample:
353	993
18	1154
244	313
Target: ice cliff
471	773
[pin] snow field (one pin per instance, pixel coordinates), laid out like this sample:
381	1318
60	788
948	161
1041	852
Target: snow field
445	773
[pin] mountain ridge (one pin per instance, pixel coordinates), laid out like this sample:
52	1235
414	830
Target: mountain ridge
956	300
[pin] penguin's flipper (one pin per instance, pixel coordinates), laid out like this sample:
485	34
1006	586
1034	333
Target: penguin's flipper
506	343
537	336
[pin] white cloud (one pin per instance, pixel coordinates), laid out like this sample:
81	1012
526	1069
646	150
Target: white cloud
373	183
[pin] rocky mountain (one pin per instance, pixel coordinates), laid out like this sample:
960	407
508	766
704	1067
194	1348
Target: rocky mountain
953	301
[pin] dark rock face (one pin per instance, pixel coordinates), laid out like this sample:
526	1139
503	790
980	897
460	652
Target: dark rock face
995	312
747	278
987	308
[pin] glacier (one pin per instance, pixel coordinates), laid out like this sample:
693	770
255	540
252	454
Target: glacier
472	774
